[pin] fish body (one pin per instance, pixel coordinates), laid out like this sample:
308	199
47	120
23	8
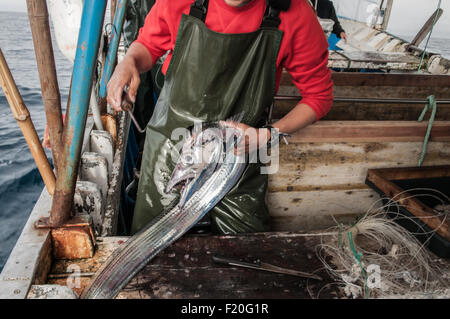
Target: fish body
206	179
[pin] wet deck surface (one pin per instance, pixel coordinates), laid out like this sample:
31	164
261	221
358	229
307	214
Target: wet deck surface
186	269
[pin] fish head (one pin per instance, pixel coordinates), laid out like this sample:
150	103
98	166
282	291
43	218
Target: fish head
198	159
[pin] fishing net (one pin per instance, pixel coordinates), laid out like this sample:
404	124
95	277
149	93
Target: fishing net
378	258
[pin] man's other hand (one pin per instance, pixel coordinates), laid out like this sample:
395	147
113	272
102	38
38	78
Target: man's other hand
125	74
343	36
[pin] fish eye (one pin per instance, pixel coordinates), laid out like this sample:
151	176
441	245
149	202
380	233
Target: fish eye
187	159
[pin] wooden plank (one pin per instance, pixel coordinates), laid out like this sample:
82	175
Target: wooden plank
45	61
415	172
387	14
343	111
311	223
185	269
372	60
374	85
374	57
43	262
322	203
387	92
389	79
423	212
374	100
343	166
371	131
29	260
381	79
422	34
382	86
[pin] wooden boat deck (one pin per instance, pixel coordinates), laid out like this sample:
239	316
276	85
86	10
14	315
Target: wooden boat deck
186	269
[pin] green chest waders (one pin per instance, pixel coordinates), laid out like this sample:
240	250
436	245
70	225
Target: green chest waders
212	76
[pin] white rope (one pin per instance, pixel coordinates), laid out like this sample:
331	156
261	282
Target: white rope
407	268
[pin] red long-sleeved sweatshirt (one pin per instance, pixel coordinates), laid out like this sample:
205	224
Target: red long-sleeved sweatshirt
303	52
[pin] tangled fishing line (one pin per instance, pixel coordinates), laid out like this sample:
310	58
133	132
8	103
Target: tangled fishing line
378	258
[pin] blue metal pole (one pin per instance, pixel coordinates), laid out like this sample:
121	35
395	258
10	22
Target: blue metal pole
84	66
111	55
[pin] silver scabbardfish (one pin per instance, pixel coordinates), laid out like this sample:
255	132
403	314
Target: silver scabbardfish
208	167
199	158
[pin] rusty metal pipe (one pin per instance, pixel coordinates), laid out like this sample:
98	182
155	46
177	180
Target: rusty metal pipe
113	5
111	56
43	48
120	8
84	67
22	115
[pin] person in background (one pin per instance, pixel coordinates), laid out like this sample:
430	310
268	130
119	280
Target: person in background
325	10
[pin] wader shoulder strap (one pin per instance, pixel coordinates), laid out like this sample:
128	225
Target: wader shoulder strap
199	8
271	17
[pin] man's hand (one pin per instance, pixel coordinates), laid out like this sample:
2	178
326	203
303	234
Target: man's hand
254	138
299	117
125	74
138	59
343	36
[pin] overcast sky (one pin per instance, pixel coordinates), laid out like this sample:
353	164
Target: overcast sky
407	18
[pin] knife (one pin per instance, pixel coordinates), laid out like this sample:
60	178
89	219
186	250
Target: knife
263	266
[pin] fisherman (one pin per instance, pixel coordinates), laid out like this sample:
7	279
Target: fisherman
225	58
325	10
